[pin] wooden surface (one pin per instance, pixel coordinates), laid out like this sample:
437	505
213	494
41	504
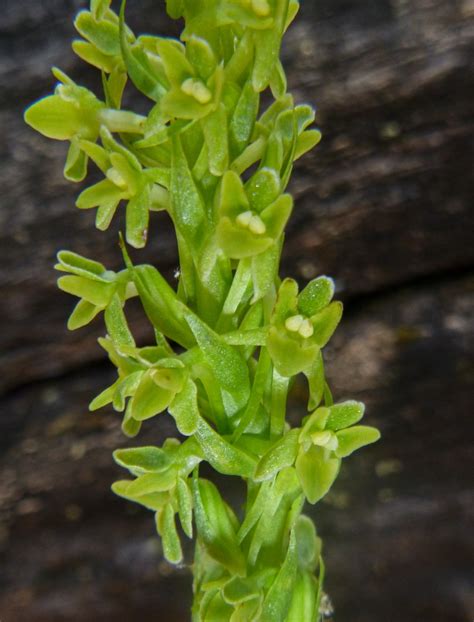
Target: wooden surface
384	205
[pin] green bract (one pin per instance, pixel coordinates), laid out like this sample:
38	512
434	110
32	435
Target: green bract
231	337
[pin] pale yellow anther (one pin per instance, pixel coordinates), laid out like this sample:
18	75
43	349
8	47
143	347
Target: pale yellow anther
326	439
244	219
187	86
261	8
256	225
116	178
201	93
196	89
293	323
306	329
251	221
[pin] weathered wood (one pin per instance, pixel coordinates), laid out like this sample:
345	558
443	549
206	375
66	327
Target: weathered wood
395	526
385	199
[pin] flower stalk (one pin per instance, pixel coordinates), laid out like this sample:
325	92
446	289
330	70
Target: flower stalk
231	338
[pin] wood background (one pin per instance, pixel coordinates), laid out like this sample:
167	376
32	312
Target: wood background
383	205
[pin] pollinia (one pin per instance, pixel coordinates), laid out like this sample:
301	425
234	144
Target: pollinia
230	339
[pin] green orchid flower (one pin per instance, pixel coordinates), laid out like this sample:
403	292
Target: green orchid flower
162	485
315	450
125	180
266	21
75	114
194	76
191	100
279	137
251	217
284	128
93	284
328	435
302	324
72	113
148	382
101	48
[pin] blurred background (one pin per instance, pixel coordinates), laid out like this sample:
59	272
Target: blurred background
383	205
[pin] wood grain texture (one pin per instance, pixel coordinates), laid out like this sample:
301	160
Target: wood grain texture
384	200
384	205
